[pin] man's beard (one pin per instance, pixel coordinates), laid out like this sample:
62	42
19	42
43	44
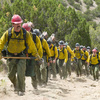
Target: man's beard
18	27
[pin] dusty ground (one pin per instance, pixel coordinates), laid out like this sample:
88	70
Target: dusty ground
73	88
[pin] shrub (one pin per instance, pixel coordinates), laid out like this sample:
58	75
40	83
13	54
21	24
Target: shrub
88	2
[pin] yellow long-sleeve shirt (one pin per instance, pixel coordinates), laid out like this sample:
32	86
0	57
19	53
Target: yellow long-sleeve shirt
63	55
93	59
38	44
54	53
18	45
70	51
45	47
78	53
85	55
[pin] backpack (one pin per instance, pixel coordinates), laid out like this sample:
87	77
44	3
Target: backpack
61	51
41	39
24	35
79	52
34	37
69	54
53	48
44	53
97	57
85	55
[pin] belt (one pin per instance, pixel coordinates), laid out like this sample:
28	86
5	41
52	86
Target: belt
44	53
30	54
94	65
53	57
16	54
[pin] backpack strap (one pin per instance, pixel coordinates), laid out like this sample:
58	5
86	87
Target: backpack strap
34	37
54	47
41	39
54	50
90	57
97	57
9	34
74	50
24	36
63	50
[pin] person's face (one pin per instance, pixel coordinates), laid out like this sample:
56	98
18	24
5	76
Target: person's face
50	45
77	48
17	27
83	49
88	50
46	36
94	53
61	46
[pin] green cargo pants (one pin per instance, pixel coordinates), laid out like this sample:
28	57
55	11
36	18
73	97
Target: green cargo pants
30	71
38	73
62	69
95	71
86	67
52	69
68	67
17	66
44	71
90	69
78	67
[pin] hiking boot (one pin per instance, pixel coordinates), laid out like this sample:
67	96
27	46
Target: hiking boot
21	93
36	92
44	85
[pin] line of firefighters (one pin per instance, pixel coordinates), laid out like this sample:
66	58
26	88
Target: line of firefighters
50	59
58	59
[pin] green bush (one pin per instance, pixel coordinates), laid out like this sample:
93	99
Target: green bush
96	12
87	6
97	2
93	24
88	2
47	15
71	2
77	6
77	0
88	15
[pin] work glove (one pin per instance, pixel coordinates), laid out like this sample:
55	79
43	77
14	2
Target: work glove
57	61
54	61
42	65
0	55
39	62
37	58
64	64
42	61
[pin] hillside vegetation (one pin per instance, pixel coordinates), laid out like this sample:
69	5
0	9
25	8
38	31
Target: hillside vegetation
70	20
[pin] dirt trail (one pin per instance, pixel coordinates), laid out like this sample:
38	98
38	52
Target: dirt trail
83	88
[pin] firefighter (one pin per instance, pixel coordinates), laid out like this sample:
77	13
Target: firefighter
84	59
71	55
46	52
17	38
31	63
54	56
62	60
94	61
78	54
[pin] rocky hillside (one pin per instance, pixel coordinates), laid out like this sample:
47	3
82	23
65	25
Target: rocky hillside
84	6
